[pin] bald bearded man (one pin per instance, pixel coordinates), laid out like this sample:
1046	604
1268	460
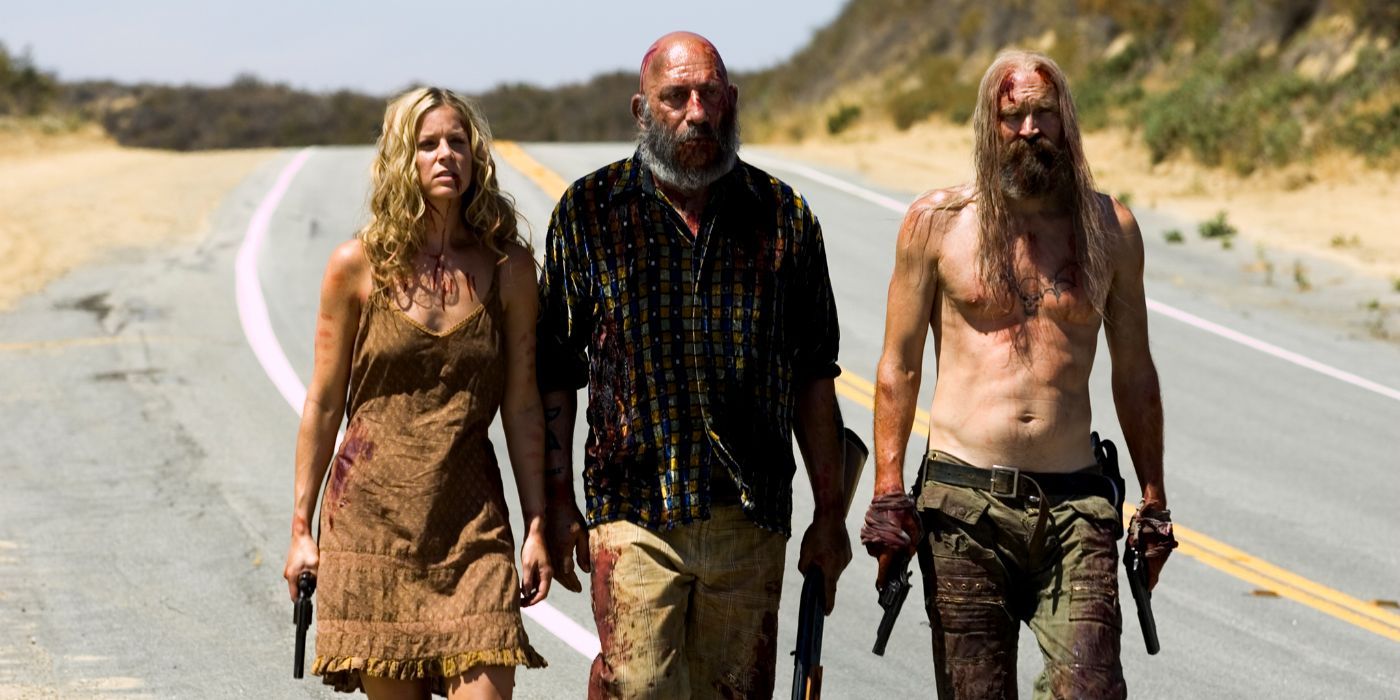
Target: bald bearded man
689	291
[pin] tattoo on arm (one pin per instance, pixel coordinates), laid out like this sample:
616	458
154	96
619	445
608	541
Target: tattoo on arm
551	413
551	443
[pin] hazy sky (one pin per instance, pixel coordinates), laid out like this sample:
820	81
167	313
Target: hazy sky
370	46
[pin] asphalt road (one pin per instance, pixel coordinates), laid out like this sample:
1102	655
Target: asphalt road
147	466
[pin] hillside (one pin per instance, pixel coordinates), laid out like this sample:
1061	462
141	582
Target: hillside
1229	82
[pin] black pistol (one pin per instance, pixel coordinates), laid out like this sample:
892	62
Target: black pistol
301	617
892	596
807	666
1135	561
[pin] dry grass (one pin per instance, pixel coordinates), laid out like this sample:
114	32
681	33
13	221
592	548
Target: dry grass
70	196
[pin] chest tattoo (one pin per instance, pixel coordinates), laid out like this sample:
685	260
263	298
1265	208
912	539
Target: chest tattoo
1033	290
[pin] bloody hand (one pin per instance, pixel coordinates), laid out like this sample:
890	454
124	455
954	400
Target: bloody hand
1150	531
891	531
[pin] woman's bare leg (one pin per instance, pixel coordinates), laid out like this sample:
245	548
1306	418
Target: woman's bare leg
483	683
394	689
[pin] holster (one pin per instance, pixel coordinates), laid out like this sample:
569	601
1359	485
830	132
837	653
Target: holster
1106	455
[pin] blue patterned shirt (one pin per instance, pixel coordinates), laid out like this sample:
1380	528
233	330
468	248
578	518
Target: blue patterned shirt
690	346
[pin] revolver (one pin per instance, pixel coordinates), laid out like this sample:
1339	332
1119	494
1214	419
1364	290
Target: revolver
301	617
892	596
1135	561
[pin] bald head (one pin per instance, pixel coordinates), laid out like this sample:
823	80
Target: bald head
679	48
688	133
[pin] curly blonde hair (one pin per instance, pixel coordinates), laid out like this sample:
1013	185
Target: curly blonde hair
398	214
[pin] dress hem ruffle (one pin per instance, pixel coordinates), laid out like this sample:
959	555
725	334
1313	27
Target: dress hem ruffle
343	672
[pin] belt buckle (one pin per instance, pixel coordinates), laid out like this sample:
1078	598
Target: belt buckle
1005	480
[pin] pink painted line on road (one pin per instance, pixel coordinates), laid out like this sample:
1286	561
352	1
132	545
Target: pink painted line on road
257	328
252	307
564	627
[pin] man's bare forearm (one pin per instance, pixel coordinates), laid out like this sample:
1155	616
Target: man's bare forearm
896	397
560	412
1138	400
820	443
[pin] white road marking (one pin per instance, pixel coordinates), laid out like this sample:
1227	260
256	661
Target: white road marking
1271	349
868	195
1153	305
257	328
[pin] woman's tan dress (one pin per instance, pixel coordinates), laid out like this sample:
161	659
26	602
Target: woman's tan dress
417	576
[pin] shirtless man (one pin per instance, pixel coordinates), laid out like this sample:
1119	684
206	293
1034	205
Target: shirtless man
1015	274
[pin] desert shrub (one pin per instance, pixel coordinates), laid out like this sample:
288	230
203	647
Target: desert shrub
842	119
24	89
1300	276
1240	112
247	113
595	110
1217	228
936	89
1373	136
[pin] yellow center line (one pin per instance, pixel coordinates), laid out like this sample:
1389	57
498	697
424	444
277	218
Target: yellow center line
544	178
1205	549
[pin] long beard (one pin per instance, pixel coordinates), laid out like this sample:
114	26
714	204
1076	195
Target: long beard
1034	169
692	158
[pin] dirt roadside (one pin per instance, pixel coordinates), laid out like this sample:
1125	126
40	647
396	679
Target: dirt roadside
70	198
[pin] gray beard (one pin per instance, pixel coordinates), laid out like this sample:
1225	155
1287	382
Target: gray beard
659	150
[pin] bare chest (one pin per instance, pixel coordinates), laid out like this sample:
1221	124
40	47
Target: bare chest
1043	281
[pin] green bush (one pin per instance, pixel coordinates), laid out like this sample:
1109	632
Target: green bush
937	90
24	89
1217	228
1242	112
1300	276
1373	136
246	113
842	119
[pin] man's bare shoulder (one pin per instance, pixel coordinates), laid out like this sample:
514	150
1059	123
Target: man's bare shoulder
940	210
929	220
947	199
1126	247
1119	220
1123	216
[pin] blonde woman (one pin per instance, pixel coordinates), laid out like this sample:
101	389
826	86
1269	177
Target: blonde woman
427	324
